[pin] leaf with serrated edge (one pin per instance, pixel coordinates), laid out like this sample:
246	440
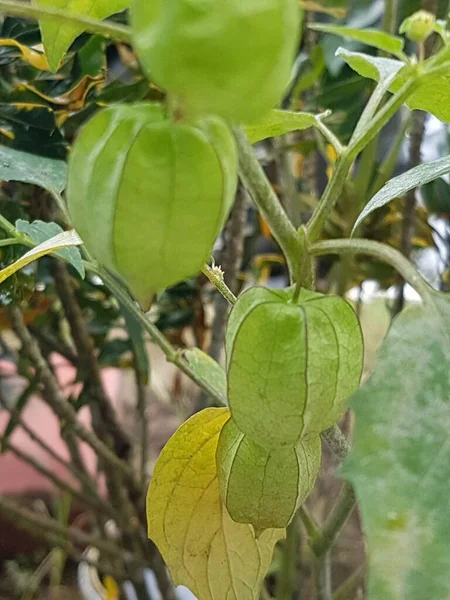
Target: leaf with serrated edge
399	186
279	122
370	37
399	464
264	487
63	240
216	558
58	36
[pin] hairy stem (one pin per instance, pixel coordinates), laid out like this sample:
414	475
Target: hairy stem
380	252
263	195
336	521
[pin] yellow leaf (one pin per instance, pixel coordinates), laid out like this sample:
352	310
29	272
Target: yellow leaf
32	57
59	242
204	549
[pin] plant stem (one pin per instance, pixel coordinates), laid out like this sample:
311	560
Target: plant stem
215	276
288	568
172	355
13	233
311	528
31	11
9	242
262	193
329	136
336	521
322	571
390	16
345	590
382	253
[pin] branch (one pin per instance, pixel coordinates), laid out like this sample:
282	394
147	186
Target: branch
172	355
380	252
105	422
336	521
62	408
30	11
252	175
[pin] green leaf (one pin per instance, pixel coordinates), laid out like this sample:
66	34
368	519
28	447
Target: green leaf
399	186
265	487
58	36
372	67
55	244
436	196
277	354
207	369
371	37
41	232
279	122
216	558
428	96
47	173
399	464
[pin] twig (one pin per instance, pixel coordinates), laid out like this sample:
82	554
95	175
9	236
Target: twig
56	400
88	500
142	414
215	276
311	527
418	120
322	572
38	525
380	252
336	521
252	175
345	590
286	576
105	422
172	355
30	11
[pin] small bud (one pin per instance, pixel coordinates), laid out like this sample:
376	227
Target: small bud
419	26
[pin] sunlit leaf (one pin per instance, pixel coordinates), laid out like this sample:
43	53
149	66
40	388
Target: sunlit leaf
371	37
261	486
400	461
429	94
399	186
59	242
59	36
216	558
279	122
47	173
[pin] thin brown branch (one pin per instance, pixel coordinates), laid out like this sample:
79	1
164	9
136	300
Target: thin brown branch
104	420
54	398
41	527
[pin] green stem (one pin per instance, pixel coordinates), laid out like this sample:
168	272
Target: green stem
171	353
13	233
380	252
288	568
259	188
329	136
215	276
337	182
336	521
308	522
9	242
31	11
390	16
